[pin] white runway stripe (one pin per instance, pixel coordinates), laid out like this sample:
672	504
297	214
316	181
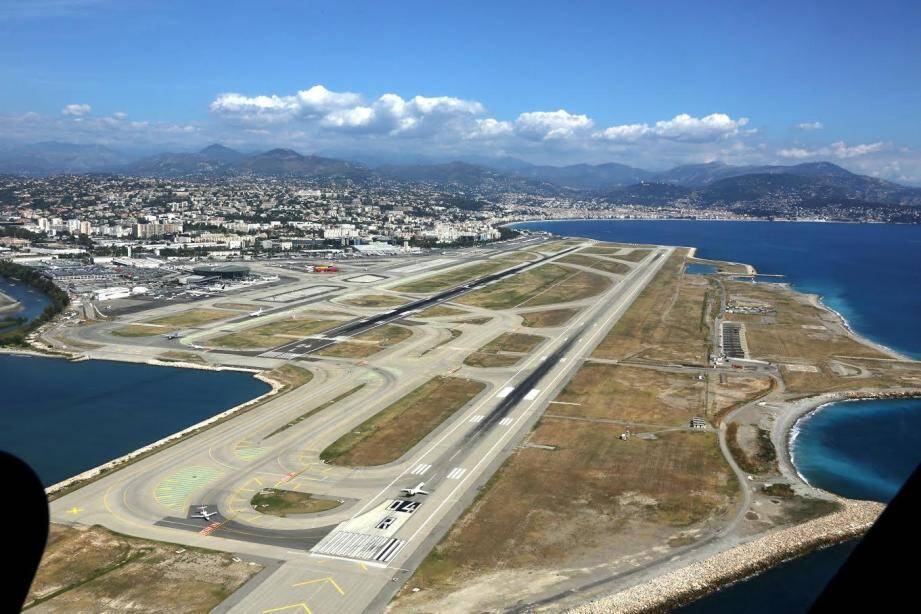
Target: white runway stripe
420	469
477	418
505	392
456	473
532	394
505	421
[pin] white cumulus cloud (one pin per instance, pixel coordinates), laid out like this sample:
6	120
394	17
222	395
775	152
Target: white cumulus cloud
682	127
552	124
76	110
838	150
810	126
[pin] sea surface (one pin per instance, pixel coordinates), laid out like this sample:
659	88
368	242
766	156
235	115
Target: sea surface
870	274
32	302
66	417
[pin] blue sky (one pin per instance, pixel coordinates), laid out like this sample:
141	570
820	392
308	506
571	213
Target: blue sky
647	83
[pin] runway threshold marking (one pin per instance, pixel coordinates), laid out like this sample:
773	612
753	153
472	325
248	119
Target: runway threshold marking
327	579
574	326
420	469
456	473
635	290
532	394
505	421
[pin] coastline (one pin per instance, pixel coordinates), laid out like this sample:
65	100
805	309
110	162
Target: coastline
706	576
85	477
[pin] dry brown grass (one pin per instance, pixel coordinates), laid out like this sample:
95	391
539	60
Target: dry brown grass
375	300
602	264
636	394
277	502
368	343
273	334
683	333
513	342
393	431
547	319
590	499
290	376
92	569
634	255
140	330
176	356
449	279
650	325
504	351
193	317
515	290
440	310
486	361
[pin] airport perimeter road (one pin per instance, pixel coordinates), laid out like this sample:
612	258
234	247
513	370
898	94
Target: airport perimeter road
354	557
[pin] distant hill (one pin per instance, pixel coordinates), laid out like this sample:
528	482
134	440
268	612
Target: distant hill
218	159
53	157
449	173
702	184
768	185
587	176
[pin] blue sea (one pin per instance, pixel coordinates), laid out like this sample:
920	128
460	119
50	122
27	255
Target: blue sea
32	302
64	418
863	449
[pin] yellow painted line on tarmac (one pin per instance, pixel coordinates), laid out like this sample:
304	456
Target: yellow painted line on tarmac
301	605
328	579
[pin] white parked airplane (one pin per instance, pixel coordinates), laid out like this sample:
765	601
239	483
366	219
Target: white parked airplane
412	492
256	314
174	335
204	513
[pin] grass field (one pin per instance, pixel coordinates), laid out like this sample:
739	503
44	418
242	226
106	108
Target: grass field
194	317
634	255
496	352
544	285
515	257
273	334
592	498
602	264
375	300
290	376
602	250
548	318
554	247
454	277
140	330
176	356
486	360
368	343
92	569
440	310
390	433
634	330
282	503
615	392
513	342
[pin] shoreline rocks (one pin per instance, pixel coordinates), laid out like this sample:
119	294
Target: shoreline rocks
710	574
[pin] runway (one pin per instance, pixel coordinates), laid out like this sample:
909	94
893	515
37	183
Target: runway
370	540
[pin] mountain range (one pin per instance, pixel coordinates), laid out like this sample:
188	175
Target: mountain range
709	183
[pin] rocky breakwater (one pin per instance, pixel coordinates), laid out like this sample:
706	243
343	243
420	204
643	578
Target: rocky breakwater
708	575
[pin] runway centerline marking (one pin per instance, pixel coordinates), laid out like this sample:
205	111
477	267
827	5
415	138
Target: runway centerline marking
565	333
